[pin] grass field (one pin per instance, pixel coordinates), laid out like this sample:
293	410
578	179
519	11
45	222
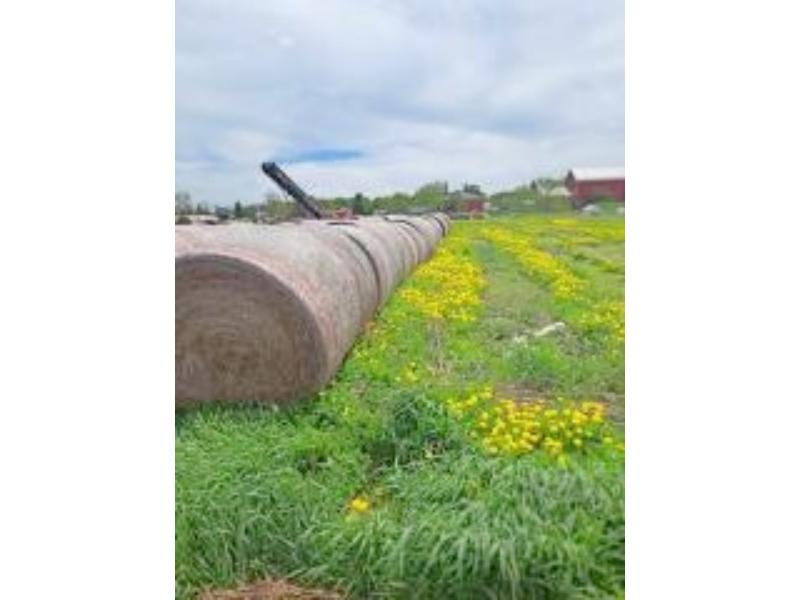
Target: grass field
458	454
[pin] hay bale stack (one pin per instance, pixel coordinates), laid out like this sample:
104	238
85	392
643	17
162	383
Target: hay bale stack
353	255
442	220
267	313
414	233
429	230
400	243
388	264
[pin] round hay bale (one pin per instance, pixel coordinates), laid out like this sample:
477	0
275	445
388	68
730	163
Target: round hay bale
355	256
420	245
442	221
398	240
262	314
439	225
387	263
425	234
430	229
413	242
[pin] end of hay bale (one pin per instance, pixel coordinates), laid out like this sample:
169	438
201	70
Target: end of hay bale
242	335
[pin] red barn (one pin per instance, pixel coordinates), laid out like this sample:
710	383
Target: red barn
586	185
474	205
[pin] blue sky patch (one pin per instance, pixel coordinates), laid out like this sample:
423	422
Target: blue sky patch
322	155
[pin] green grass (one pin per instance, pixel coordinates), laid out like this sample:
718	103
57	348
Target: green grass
263	493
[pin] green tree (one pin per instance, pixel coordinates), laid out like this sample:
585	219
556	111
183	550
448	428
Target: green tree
473	188
431	195
183	203
238	210
279	209
396	203
362	205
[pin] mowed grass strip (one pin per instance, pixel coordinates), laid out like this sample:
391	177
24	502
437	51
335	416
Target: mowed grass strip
265	494
585	358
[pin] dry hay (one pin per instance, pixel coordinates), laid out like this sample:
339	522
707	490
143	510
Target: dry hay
270	589
262	313
422	247
442	220
387	264
353	256
400	244
266	314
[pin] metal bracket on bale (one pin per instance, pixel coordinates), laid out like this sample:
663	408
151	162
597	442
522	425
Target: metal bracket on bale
309	205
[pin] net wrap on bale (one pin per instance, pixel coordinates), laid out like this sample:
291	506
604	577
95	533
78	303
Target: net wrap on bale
266	313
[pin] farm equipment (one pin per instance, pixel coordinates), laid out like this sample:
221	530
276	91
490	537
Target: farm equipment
307	203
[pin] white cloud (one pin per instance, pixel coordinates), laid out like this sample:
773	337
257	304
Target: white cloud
479	91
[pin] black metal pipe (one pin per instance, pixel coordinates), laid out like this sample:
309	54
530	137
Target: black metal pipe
286	183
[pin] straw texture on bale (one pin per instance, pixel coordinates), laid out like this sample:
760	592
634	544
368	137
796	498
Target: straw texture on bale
266	313
387	263
429	230
354	256
414	232
398	240
441	220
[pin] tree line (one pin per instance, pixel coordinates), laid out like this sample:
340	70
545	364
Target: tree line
435	195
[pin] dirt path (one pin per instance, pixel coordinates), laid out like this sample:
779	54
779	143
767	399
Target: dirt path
270	589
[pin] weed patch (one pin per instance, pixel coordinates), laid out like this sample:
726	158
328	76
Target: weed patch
393	482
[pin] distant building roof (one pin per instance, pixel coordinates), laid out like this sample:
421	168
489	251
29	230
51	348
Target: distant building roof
462	195
559	190
598	174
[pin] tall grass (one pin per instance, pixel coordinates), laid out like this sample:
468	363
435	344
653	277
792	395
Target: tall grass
266	495
262	493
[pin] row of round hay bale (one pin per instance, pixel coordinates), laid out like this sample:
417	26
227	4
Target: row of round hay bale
442	220
400	243
389	266
418	246
425	231
359	263
267	313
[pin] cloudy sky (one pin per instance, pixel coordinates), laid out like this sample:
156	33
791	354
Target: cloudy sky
376	96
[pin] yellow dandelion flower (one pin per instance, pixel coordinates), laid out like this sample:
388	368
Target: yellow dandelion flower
359	504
